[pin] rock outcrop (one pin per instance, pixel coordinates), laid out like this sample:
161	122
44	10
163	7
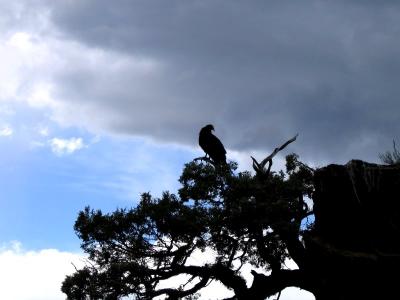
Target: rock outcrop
355	246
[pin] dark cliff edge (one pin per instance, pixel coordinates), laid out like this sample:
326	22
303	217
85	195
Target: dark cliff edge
354	247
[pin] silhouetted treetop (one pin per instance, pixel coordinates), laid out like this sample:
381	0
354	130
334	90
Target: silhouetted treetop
252	218
391	157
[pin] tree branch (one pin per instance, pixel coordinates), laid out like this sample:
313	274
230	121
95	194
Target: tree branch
260	167
263	286
266	286
295	248
273	262
221	273
179	294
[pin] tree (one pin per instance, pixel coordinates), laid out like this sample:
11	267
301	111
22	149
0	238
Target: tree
391	157
246	218
349	252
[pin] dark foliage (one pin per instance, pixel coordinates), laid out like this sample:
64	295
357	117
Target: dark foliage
349	253
244	217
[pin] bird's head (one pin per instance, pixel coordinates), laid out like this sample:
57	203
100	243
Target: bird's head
209	127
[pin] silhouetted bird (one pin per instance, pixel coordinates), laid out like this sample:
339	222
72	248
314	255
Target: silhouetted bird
212	145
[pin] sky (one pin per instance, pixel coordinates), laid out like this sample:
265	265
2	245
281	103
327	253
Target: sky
103	100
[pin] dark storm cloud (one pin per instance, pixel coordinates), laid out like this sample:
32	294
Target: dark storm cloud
260	71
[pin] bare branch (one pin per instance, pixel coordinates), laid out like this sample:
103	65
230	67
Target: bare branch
76	269
279	295
389	157
233	253
260	167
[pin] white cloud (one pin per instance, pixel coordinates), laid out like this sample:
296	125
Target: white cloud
21	41
296	294
43	131
6	130
36	144
40	96
66	146
34	275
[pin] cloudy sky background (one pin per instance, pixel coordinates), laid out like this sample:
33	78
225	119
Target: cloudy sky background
103	100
